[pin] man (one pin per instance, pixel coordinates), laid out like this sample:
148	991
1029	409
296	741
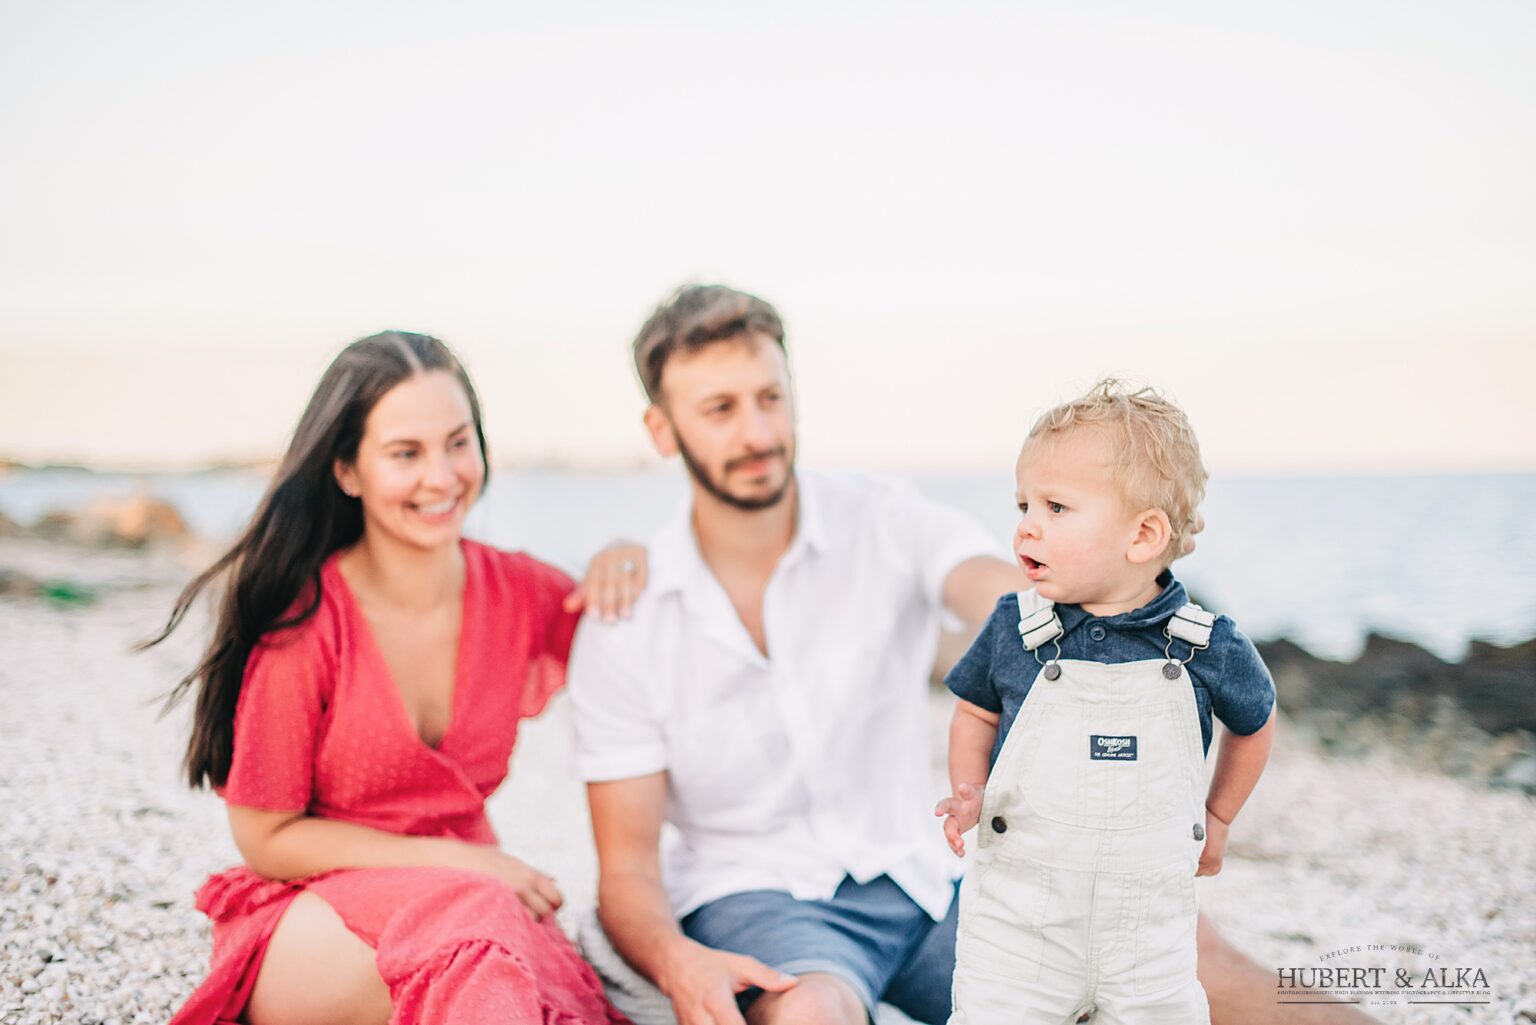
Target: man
767	699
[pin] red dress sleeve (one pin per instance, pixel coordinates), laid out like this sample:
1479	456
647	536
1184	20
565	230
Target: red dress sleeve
287	685
553	630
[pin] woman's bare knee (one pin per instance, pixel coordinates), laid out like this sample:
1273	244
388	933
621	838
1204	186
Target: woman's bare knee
317	972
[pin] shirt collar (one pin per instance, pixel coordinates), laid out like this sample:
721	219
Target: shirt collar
810	518
1158	610
674	555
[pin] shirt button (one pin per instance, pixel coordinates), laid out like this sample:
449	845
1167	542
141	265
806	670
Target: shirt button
1097	632
999	824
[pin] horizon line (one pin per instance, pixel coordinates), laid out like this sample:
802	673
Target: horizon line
650	463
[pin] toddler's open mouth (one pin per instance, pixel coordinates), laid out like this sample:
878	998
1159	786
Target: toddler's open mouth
1032	567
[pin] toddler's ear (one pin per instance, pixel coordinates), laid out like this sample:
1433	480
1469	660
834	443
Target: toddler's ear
1153	532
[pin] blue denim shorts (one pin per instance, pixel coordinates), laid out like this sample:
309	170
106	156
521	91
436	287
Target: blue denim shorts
870	935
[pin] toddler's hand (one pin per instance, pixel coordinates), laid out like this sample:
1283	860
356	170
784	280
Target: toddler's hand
1215	846
960	813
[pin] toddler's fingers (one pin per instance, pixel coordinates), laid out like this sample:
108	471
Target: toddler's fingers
952	834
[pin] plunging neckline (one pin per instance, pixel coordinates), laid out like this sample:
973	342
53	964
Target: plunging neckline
397	701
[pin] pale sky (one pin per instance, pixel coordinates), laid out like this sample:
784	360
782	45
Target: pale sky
1314	224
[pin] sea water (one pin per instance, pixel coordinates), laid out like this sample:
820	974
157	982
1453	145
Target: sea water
1439	560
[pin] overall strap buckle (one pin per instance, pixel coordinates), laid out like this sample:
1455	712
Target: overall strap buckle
1192	625
1038	625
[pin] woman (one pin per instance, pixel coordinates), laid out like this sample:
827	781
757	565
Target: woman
356	706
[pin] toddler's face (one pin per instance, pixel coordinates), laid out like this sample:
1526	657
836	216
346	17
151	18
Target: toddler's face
1075	527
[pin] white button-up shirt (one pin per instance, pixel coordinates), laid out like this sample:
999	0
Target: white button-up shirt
789	771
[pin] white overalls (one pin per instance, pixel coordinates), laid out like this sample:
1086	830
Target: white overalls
1082	892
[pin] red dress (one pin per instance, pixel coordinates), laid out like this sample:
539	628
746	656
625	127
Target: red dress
321	726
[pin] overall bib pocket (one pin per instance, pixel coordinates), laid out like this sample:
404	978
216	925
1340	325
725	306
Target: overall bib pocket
1106	768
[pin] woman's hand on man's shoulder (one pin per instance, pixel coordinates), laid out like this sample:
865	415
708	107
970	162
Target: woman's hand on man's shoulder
613	582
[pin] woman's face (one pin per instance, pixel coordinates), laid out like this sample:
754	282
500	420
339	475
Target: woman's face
418	466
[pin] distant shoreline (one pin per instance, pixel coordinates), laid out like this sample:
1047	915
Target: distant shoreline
265	465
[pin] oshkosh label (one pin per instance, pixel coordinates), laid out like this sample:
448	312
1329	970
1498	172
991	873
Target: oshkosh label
1112	749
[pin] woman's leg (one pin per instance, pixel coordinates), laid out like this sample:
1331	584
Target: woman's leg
459	948
420	946
317	972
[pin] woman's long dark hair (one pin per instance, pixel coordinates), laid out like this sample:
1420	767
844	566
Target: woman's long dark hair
302	519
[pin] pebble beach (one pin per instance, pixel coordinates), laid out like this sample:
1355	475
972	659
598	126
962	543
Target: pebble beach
1363	856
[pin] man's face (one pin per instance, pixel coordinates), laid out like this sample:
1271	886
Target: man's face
727	410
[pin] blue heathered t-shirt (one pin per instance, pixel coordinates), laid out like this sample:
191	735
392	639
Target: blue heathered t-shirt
1229	677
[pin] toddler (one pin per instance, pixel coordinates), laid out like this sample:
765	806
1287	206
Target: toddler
1079	740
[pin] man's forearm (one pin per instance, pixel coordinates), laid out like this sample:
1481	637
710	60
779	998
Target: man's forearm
973	587
638	920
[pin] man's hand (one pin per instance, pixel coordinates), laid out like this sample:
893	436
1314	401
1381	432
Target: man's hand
1215	845
960	813
702	984
615	577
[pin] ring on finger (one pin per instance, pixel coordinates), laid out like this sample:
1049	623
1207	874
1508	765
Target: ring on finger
628	566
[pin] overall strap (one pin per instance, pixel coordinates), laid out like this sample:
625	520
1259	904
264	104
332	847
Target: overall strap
1192	625
1038	622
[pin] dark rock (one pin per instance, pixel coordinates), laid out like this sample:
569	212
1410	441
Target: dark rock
55	525
1519	773
136	522
1494	687
15	584
1498	686
1473	719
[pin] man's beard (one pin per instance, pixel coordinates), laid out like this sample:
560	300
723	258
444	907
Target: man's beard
697	471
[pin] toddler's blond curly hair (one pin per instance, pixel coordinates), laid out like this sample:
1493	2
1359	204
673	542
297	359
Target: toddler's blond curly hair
1155	456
